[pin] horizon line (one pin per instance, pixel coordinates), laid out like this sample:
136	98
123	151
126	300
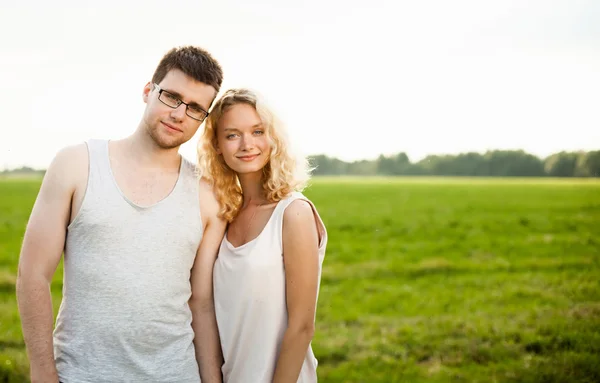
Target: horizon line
4	168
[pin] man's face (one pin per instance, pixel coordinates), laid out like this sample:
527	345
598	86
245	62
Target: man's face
171	127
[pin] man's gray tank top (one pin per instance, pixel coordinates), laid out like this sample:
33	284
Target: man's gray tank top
124	315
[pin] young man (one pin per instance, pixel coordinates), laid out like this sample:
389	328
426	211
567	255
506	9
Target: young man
140	234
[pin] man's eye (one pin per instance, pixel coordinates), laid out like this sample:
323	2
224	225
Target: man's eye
171	97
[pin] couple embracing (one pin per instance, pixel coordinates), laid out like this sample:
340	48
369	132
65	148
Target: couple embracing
174	271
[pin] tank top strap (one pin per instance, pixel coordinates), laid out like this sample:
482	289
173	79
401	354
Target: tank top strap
287	201
100	173
189	174
96	145
280	211
98	152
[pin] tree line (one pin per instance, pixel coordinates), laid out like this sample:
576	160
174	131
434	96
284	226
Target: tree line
500	163
494	163
25	170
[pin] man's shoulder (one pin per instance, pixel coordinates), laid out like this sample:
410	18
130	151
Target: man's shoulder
73	152
70	158
69	167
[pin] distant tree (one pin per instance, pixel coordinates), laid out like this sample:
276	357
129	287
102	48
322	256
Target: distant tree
393	165
385	165
433	164
512	163
402	164
362	168
588	164
469	164
25	169
327	166
561	164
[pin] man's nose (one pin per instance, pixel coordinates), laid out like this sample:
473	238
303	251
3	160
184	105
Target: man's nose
178	113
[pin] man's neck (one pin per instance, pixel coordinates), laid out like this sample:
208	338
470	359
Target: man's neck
141	149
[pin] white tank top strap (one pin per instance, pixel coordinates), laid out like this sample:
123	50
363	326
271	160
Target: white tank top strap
287	202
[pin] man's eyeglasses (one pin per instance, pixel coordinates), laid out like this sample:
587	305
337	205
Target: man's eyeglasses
172	101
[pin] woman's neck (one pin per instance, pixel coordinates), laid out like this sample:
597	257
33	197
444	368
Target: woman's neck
252	189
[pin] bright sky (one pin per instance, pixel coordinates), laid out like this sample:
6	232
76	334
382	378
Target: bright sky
352	79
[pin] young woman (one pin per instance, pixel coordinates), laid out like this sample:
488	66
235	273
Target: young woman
267	274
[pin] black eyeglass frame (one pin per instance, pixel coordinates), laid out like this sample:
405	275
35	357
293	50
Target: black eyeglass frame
179	102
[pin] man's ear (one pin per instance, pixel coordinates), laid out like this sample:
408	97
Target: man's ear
146	92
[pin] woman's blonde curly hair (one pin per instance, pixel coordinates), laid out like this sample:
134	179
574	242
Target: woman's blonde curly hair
284	172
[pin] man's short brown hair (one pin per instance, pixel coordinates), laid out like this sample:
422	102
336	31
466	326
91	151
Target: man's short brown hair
195	62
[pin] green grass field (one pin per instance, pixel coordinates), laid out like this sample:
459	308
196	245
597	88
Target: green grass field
425	280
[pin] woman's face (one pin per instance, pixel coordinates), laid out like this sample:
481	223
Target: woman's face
242	139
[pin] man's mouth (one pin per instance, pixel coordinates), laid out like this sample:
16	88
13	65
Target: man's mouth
171	127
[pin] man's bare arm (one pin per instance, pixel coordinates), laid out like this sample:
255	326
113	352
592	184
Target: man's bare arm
40	254
204	323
